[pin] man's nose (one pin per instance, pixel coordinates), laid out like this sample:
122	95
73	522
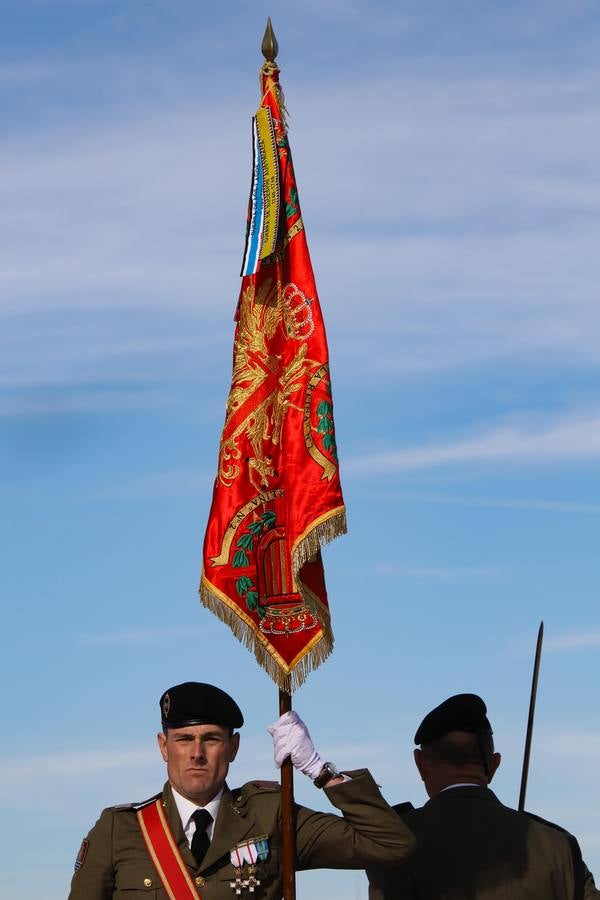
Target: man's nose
198	750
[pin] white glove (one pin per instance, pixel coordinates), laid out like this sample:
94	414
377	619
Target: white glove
291	738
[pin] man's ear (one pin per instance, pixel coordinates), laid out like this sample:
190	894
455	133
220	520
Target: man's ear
162	745
421	763
493	765
234	745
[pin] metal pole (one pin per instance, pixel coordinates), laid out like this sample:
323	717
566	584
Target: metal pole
529	735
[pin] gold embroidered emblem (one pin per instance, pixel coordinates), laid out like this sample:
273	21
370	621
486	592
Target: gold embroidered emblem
262	386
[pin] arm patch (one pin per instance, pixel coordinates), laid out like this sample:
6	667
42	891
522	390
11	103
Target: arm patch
82	854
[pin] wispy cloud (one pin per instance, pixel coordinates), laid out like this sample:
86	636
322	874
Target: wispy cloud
469	268
574	640
450	573
574	438
168	483
573	745
21	74
94	401
77	764
532	504
142	636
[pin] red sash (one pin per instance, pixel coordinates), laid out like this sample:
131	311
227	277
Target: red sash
165	854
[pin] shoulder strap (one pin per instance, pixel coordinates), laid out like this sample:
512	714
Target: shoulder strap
165	854
578	865
402	808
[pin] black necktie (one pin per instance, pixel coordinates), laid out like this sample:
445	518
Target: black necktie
200	839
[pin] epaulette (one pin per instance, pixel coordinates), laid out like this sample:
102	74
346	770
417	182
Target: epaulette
402	807
578	864
120	807
268	786
241	795
546	822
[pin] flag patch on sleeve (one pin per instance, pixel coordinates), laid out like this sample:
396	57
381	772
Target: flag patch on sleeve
82	854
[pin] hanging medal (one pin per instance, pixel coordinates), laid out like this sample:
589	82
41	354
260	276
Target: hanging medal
238	884
248	853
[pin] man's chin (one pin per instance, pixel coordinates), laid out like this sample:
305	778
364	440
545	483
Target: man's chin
199	787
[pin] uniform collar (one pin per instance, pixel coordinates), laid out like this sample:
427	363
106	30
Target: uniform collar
186	809
465	792
232	825
459	785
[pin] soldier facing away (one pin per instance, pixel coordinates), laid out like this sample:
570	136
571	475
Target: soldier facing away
199	838
470	846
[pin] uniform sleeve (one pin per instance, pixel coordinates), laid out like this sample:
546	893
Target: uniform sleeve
370	831
590	891
94	879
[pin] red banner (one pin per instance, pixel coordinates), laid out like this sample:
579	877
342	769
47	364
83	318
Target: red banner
277	495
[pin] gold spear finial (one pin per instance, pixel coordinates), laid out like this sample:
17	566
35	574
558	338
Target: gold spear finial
269	46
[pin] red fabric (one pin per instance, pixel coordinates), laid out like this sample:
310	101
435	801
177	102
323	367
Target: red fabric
165	854
278	480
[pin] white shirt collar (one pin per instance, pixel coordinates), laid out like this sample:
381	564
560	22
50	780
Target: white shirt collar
461	784
186	810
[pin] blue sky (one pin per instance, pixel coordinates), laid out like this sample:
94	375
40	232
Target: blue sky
448	172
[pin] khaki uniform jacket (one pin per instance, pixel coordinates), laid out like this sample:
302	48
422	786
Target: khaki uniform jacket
471	847
117	865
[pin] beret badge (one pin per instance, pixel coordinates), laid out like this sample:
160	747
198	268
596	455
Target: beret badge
166	705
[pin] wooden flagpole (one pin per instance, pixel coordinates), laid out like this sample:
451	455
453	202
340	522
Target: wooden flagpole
269	50
288	819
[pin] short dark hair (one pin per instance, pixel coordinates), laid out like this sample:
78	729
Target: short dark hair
461	748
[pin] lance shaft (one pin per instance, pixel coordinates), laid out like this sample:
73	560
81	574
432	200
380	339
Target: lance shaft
288	818
529	735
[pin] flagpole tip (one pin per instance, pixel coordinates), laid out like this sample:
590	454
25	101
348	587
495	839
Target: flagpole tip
269	46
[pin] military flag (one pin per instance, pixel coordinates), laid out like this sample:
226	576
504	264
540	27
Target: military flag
277	496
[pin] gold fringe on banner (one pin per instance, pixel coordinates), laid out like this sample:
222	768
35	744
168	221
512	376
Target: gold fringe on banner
289	678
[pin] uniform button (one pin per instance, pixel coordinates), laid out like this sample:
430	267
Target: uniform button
200	881
147	882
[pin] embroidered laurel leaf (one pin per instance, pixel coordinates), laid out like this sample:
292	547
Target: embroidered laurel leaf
268	519
329	441
246	541
240	559
323	426
243	584
252	600
323	409
255	527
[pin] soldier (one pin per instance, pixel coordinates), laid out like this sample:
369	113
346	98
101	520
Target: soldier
470	846
199	838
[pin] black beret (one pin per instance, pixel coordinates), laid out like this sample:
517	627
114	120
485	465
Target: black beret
194	703
463	712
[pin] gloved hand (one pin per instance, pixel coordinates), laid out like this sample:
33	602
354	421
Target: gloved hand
291	738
